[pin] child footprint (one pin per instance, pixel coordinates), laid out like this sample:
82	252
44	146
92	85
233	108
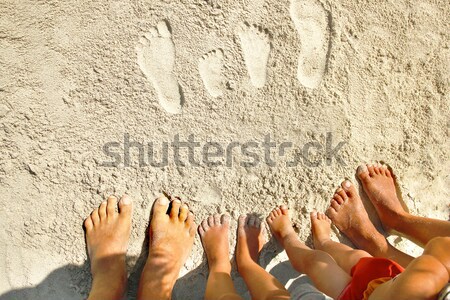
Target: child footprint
210	69
156	58
255	43
311	21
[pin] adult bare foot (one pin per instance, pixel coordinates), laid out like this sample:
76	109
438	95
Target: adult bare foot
378	183
321	228
171	239
214	233
280	224
349	215
107	235
250	240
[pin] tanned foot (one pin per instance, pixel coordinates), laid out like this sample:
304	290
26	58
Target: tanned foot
350	217
280	224
171	238
250	240
214	233
107	235
321	228
378	183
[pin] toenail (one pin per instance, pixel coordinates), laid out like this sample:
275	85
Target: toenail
347	184
163	200
177	201
126	200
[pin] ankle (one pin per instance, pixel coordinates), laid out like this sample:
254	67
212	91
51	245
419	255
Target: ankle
288	238
219	266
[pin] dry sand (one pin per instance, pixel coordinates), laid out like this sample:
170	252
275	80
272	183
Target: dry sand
78	74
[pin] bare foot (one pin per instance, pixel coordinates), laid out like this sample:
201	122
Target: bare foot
349	215
171	239
321	228
214	233
378	182
250	240
107	235
280	224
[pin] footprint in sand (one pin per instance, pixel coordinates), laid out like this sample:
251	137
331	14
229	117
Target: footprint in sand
210	68
255	43
156	58
311	21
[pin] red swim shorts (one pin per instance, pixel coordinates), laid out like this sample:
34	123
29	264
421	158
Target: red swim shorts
366	270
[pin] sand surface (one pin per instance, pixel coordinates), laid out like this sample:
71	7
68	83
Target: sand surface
76	75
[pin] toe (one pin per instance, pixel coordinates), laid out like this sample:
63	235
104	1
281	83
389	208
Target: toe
102	210
88	224
338	199
205	225
225	219
95	217
278	211
175	209
193	227
190	219
313	215
269	220
201	231
363	172
217	219
284	209
125	206
349	188
184	210
242	220
371	170
388	172
160	206
335	205
251	221
331	213
272	215
211	221
111	206
376	169
342	194
257	223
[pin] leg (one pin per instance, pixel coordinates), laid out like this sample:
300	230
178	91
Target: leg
424	278
378	182
214	233
250	241
327	276
171	240
345	256
348	214
107	234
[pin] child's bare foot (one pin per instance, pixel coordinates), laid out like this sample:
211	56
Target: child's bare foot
378	182
349	215
107	235
214	232
171	239
250	240
280	224
321	228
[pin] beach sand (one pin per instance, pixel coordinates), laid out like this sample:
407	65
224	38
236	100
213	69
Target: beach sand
79	76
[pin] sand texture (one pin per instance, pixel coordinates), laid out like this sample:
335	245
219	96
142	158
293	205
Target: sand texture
76	75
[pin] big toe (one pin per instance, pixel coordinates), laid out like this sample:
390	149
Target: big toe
160	206
363	172
349	188
284	209
125	206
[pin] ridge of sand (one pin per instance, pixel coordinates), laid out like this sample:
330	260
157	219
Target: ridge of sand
156	58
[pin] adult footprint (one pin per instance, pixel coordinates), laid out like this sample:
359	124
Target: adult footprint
255	43
311	21
210	68
156	58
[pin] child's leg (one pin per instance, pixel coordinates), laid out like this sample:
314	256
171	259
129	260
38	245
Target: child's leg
378	182
214	233
323	270
345	256
424	278
250	241
348	214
